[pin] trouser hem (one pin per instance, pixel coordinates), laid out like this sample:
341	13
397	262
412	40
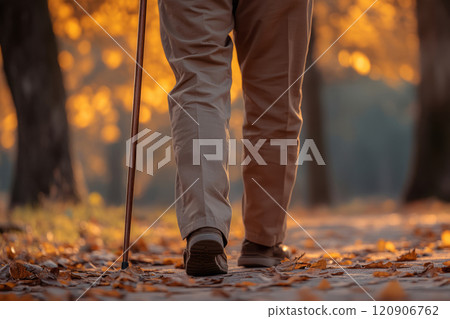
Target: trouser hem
264	239
206	222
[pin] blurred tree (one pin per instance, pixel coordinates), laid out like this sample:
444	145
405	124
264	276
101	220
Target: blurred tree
430	176
28	44
98	75
317	176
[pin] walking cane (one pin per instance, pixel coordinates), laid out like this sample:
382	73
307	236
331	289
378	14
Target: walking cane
134	129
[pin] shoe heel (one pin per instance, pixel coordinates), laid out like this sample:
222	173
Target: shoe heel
201	260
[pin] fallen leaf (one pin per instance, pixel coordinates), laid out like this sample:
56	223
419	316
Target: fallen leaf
410	256
65	282
220	293
393	291
126	277
63	262
49	264
333	255
47	275
301	266
212	281
357	266
390	247
382	274
74	275
383	245
446	263
102	282
168	261
430	271
48	248
320	264
289	265
324	285
378	264
245	284
305	294
405	274
445	238
175	282
7	287
19	271
103	292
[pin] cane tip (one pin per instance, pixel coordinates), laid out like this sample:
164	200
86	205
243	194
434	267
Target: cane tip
125	264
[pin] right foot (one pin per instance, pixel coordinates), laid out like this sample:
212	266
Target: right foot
256	255
205	254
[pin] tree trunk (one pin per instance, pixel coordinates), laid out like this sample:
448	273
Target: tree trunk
317	176
43	167
430	176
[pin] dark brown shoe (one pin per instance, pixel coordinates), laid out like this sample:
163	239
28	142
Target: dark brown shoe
255	255
205	254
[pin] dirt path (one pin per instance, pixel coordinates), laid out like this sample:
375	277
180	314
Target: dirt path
366	247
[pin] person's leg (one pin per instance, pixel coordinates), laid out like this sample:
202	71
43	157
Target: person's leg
272	42
195	38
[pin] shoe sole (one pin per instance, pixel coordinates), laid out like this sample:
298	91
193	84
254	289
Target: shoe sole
257	262
200	260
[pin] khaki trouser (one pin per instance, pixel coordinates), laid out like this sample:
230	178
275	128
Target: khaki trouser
271	38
